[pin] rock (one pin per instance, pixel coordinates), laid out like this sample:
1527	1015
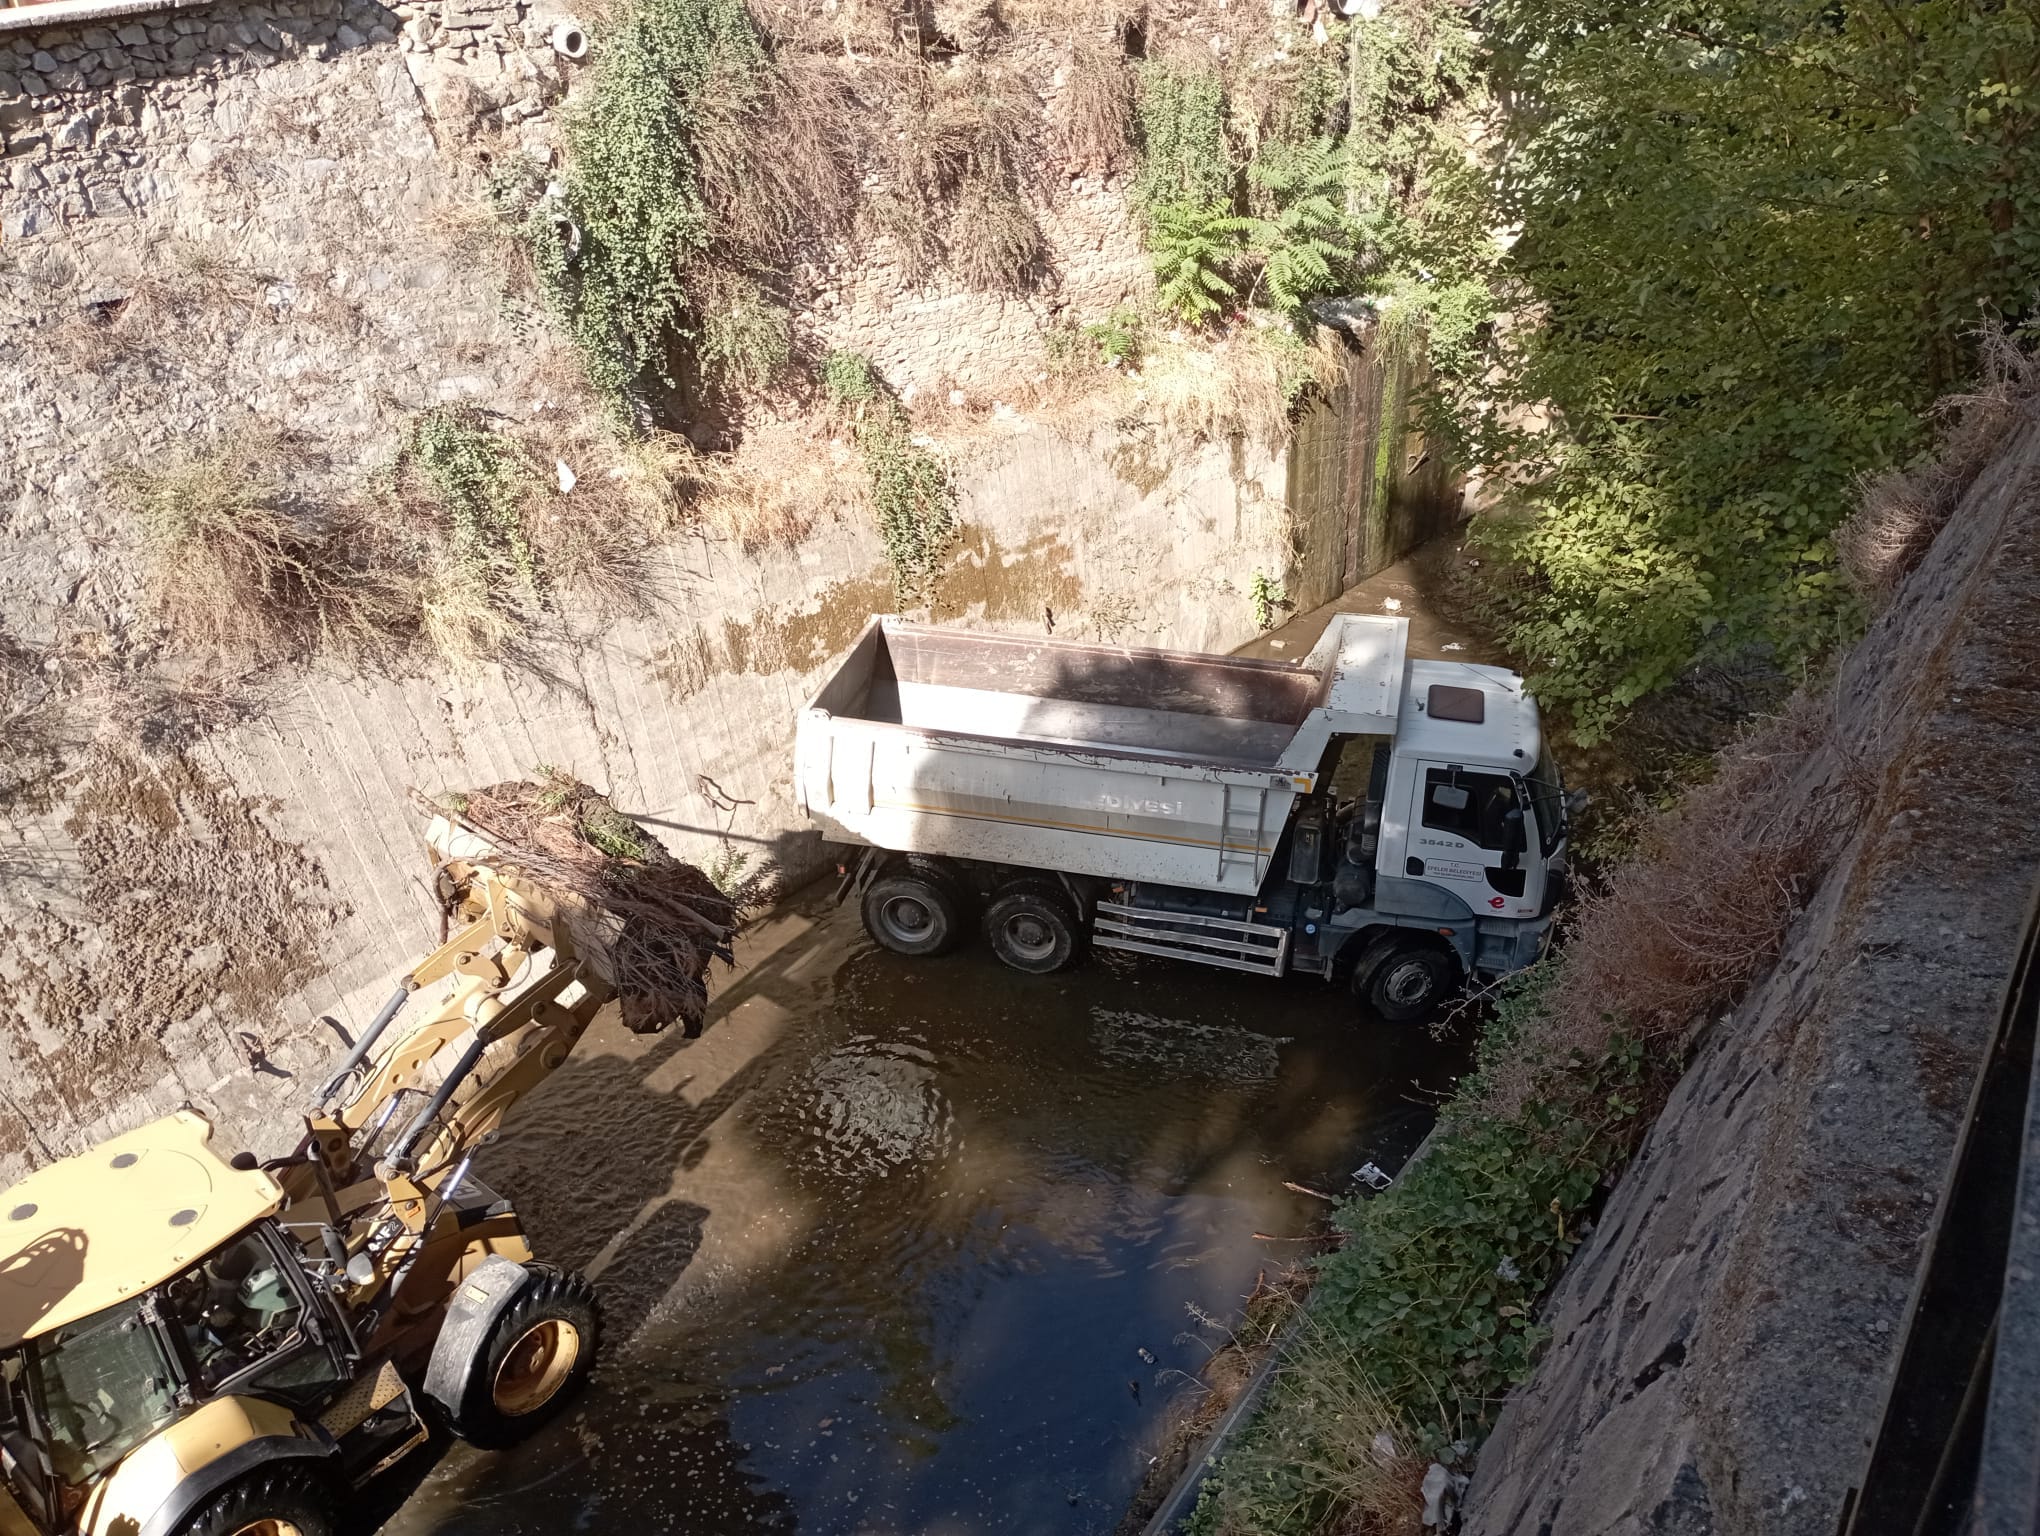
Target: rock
347	37
133	36
44	64
75	134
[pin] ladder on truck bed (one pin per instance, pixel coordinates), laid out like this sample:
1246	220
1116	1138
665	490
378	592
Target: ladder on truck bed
1262	948
1239	833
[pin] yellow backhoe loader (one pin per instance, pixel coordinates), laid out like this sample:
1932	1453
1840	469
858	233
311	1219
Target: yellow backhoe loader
192	1345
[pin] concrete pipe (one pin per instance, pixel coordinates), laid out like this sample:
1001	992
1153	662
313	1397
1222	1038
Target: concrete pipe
570	39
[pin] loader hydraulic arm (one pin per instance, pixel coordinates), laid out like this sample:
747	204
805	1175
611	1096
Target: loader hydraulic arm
478	1023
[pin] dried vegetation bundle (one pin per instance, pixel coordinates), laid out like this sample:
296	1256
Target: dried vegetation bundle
650	920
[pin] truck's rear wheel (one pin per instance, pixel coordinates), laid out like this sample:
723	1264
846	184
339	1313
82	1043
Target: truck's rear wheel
1030	926
291	1498
913	914
1405	979
534	1355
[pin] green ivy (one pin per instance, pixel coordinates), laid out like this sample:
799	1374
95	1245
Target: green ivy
914	498
911	491
476	478
1185	158
611	249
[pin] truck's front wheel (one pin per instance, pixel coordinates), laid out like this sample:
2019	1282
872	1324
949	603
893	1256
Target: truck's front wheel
1030	926
1403	980
911	914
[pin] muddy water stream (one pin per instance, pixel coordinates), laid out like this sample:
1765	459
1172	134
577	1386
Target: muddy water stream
923	1246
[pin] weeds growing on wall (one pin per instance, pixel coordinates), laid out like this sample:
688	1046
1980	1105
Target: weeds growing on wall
911	492
1264	595
234	568
612	250
1278	238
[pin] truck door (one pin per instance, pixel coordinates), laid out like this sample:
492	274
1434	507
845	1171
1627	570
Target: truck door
1461	831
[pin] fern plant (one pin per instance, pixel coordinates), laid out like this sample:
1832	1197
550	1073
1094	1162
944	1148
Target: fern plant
1196	248
1305	246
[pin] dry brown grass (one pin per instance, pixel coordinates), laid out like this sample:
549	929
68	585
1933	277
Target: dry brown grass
776	160
953	155
1701	910
1246	382
1094	120
235	568
787	478
1901	512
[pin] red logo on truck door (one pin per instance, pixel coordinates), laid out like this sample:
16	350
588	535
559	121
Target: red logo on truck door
1498	902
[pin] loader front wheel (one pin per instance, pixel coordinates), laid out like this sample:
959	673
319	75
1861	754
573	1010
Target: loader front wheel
288	1499
534	1356
913	914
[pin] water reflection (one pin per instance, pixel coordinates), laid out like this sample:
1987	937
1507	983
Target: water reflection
919	1247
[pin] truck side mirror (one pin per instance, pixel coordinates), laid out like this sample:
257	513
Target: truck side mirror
1513	840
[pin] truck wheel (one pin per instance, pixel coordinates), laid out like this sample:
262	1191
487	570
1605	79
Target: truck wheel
912	914
1403	980
534	1355
1030	926
290	1498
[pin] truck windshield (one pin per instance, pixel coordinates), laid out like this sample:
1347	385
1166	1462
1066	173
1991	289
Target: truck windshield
104	1387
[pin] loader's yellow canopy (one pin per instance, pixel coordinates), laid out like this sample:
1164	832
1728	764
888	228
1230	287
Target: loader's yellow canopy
94	1229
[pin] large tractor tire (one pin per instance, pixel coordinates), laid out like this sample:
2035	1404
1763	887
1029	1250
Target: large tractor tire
913	912
289	1498
536	1354
1032	926
1403	978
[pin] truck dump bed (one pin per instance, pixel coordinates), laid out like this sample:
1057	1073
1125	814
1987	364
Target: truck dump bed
1128	764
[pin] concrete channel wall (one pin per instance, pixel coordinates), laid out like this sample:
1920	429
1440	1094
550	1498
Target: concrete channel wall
262	217
1722	1344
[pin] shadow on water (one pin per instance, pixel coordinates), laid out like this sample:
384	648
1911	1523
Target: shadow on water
917	1246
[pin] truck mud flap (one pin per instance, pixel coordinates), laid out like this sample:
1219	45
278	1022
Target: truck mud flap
1261	948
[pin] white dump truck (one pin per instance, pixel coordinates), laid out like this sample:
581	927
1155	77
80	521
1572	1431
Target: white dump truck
1356	815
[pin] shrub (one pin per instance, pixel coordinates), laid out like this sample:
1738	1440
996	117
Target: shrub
1196	251
1305	246
234	567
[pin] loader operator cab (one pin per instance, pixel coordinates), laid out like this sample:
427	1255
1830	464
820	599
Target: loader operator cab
146	1286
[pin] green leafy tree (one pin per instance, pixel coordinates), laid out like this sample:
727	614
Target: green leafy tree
1752	238
1196	253
1305	245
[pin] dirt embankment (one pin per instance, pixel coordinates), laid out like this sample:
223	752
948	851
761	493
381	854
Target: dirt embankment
1721	1345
